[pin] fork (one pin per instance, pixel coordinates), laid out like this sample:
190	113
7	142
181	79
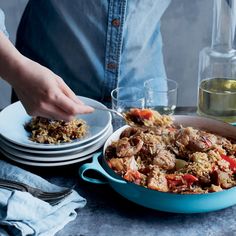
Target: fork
52	198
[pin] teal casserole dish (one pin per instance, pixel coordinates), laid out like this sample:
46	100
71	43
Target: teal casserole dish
165	201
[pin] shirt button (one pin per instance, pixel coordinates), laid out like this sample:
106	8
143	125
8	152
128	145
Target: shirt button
111	65
116	22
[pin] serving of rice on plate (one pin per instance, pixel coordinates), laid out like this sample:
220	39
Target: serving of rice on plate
48	131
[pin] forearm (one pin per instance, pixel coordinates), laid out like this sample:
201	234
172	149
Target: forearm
52	98
11	61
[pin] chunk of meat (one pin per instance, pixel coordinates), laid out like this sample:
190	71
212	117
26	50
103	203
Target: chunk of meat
199	167
134	176
209	138
130	131
201	142
192	140
111	151
122	165
151	144
223	179
183	136
117	164
156	180
197	144
164	159
128	147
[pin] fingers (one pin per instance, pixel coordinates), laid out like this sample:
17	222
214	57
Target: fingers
69	106
69	102
54	113
51	111
52	97
57	107
68	92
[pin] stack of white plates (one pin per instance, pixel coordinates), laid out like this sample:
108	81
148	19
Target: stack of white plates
16	145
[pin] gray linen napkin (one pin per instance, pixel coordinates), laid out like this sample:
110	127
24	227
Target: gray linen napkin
22	214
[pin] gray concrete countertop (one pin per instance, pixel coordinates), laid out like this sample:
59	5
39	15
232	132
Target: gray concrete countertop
109	214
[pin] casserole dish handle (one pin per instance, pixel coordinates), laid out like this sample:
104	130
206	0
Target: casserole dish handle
95	165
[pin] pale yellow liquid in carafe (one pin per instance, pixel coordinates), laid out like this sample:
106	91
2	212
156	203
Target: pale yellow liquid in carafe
217	99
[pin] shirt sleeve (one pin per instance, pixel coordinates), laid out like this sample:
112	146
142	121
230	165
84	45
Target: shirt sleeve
2	23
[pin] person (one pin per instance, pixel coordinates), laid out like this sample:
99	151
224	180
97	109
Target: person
41	91
95	46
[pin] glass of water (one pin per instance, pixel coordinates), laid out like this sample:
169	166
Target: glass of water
125	98
161	95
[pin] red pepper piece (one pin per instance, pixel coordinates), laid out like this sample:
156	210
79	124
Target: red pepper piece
232	162
178	180
174	180
190	179
132	175
144	114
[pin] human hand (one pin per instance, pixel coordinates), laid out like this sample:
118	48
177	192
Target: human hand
45	94
42	92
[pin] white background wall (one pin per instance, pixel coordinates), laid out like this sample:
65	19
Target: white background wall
186	28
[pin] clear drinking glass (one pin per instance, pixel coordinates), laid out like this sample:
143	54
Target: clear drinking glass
124	98
161	95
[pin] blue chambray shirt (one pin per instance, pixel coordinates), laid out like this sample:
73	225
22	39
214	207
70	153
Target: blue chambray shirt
95	45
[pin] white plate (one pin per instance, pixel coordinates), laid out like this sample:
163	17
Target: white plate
14	117
50	152
55	158
46	164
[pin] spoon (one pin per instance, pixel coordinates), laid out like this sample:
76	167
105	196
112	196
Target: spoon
110	110
127	121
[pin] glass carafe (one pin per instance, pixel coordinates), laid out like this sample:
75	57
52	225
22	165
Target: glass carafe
217	66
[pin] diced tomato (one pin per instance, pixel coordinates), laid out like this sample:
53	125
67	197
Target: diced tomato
174	183
173	180
145	114
178	180
232	162
190	179
132	175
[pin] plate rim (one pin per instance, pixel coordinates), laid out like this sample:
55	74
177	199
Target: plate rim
63	157
48	164
54	152
57	146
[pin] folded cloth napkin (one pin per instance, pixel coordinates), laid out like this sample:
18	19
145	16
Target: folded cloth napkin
22	214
